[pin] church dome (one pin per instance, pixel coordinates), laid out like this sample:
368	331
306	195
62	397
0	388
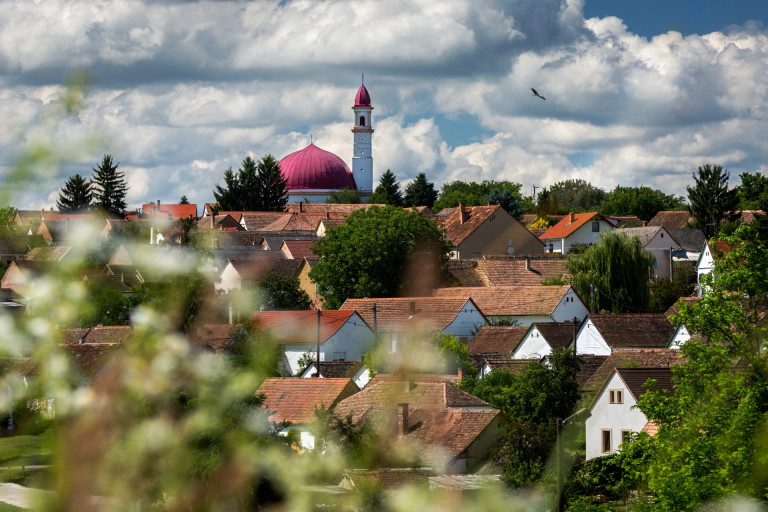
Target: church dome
362	98
315	168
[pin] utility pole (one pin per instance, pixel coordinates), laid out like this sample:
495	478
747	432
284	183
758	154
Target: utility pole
671	263
592	298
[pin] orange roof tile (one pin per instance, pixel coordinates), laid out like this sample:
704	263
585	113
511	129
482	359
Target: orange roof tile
301	326
174	211
396	314
298	249
294	399
568	225
510	300
463	222
522	270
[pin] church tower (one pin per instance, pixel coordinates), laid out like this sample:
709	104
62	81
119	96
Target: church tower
362	159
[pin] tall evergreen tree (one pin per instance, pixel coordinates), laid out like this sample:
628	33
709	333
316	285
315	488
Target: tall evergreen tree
184	200
420	192
248	181
76	195
512	203
388	191
709	200
229	197
109	187
270	185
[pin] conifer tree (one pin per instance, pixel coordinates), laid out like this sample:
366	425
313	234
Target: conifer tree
709	200
270	185
388	191
76	195
228	197
420	192
109	187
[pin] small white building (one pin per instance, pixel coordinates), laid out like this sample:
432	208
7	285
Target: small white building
613	415
576	229
542	338
601	333
706	264
342	335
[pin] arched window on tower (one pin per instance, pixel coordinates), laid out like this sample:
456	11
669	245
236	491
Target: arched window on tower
362	120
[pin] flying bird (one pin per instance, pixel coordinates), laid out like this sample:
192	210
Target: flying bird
536	93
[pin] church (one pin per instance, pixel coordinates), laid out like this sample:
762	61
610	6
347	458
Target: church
312	173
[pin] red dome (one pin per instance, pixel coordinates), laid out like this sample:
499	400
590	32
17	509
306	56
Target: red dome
315	168
362	99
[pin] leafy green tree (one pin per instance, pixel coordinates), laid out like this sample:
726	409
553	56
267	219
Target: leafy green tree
619	268
455	351
283	292
531	401
546	206
512	203
75	196
753	186
368	255
270	185
577	196
109	187
711	441
643	202
472	193
388	191
709	200
345	196
420	192
183	230
106	306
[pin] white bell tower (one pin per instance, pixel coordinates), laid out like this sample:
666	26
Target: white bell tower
362	159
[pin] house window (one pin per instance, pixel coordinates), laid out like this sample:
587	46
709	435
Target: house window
339	356
615	396
625	435
606	441
362	120
595	227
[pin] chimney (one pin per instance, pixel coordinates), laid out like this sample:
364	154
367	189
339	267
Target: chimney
327	215
412	308
158	204
42	213
571	217
528	264
301	205
460	374
403	418
213	220
645	223
461	213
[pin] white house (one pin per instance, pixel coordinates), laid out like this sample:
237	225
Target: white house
542	338
354	370
601	333
659	242
613	417
576	229
706	264
343	335
393	318
523	304
239	272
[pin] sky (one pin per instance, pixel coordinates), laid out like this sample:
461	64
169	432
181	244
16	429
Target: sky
637	93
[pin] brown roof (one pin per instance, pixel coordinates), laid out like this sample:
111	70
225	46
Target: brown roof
253	270
299	249
439	414
510	300
557	334
388	478
301	326
332	209
18	366
465	220
675	308
629	221
294	222
256	221
670	219
589	365
522	270
294	399
496	339
48	253
90	358
515	366
465	273
395	314
109	334
215	337
634	357
337	369
634	330
635	378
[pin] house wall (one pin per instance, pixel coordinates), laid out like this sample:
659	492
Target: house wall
615	417
355	340
306	439
570	306
590	342
229	279
476	453
681	336
660	246
500	234
467	322
582	236
306	284
705	265
14	279
533	346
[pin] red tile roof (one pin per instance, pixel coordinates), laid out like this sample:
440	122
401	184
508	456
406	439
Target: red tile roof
464	221
215	337
90	358
396	314
671	219
568	225
301	326
495	339
97	334
255	269
294	399
522	270
298	249
634	330
675	308
510	300
514	366
174	211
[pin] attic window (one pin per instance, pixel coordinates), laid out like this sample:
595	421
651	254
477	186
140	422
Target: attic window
615	396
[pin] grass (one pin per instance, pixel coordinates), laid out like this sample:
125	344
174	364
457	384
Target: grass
25	449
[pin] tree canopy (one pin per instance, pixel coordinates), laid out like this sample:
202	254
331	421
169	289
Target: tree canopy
369	254
577	196
619	268
420	192
75	196
710	200
512	203
344	196
282	292
472	193
257	186
753	191
643	202
109	187
388	191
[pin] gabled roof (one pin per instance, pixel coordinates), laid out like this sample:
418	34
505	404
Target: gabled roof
522	270
275	242
692	240
47	253
514	366
18	244
626	221
465	273
295	399
255	221
497	339
675	308
333	209
301	326
634	358
294	222
570	223
173	211
644	234
104	334
635	378
298	249
335	369
670	219
557	334
214	337
633	330
466	219
90	358
395	314
510	300
255	269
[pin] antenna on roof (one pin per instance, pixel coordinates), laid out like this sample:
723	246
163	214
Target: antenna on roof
310	138
362	79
